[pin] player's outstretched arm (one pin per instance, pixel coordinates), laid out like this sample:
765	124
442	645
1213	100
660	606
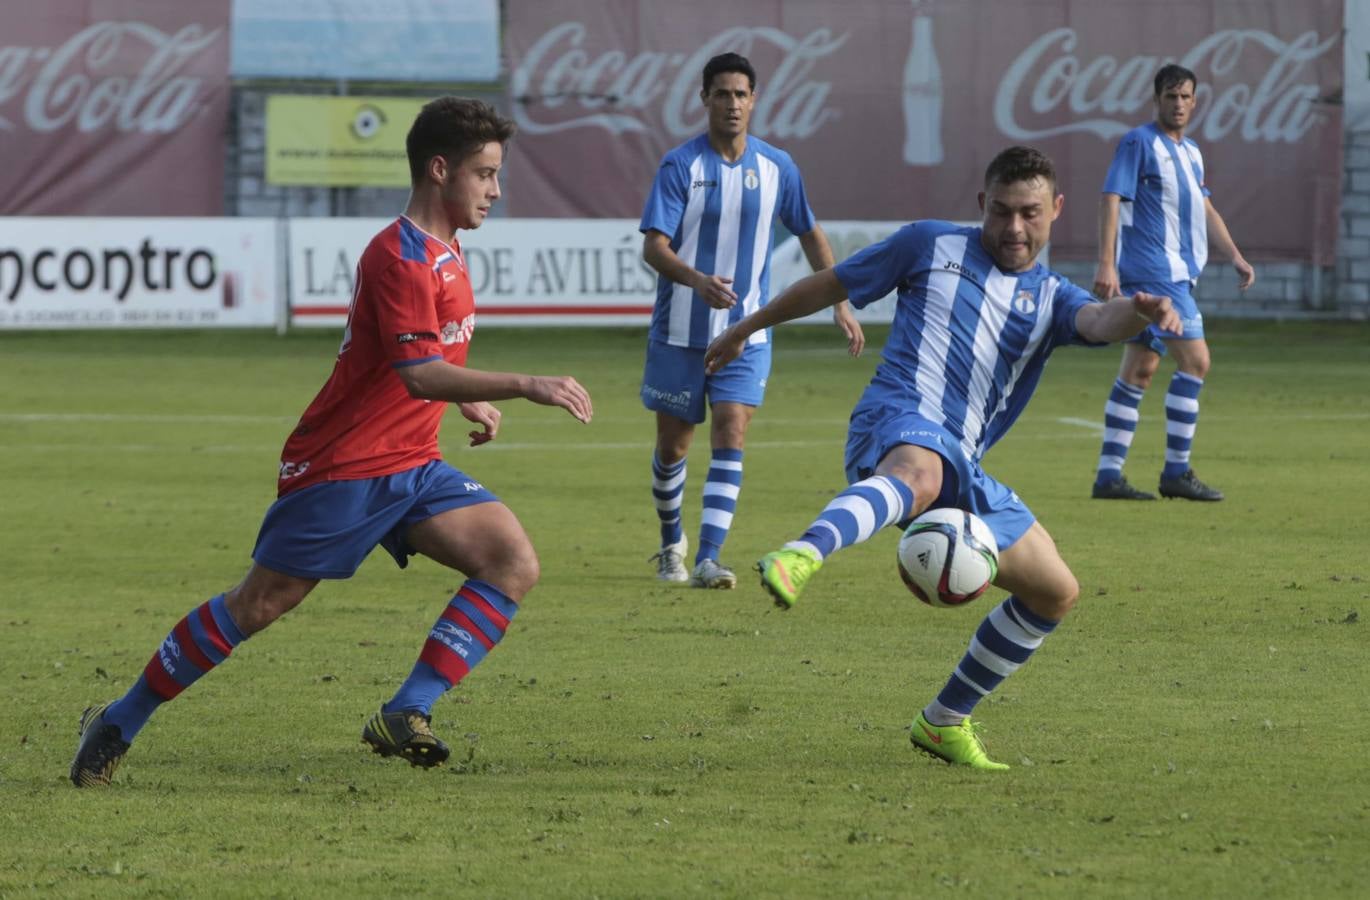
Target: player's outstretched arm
1122	317
440	380
807	295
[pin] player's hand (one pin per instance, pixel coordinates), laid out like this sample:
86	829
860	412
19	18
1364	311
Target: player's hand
482	414
724	349
1158	311
856	338
1246	276
563	391
715	291
1106	285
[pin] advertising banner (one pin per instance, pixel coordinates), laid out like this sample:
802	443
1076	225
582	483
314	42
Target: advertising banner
113	108
538	271
362	40
131	273
893	109
338	141
1356	97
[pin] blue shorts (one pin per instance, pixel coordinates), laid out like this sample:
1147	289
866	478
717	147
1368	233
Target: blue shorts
875	432
673	380
1192	320
327	529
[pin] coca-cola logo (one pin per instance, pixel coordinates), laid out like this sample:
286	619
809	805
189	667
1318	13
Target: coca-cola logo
127	75
558	86
1278	107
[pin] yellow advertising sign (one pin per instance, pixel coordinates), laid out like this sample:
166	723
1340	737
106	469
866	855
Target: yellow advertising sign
338	141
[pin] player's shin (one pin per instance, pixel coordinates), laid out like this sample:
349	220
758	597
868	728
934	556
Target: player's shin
473	622
198	643
856	514
1005	640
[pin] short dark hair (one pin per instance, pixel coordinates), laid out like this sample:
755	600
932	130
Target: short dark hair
454	128
728	62
1020	164
1171	75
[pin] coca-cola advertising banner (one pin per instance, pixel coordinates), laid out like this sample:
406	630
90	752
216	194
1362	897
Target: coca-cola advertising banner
893	109
113	108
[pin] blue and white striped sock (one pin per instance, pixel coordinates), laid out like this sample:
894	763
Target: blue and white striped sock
1120	425
1003	642
668	490
1181	418
857	513
720	502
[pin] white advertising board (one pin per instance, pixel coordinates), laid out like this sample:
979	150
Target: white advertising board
524	271
138	273
540	271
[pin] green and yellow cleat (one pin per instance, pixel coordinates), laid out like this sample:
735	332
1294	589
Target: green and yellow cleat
958	745
405	733
785	572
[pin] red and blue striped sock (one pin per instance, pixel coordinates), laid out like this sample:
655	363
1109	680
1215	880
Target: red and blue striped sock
198	643
468	629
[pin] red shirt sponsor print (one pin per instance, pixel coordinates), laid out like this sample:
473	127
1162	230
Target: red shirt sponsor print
412	303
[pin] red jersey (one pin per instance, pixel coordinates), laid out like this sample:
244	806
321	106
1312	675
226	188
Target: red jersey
412	303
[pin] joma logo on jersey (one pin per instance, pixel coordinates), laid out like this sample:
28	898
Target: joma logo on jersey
963	271
703	182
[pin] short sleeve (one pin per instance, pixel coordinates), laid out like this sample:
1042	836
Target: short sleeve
406	315
666	203
794	209
1126	166
1066	306
872	273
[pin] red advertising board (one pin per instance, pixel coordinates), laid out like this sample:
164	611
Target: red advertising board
113	108
892	109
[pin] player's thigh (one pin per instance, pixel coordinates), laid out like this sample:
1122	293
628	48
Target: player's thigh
1191	355
484	541
1033	570
728	424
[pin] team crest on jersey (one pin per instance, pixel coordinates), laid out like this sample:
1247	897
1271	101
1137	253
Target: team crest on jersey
459	332
1025	302
750	179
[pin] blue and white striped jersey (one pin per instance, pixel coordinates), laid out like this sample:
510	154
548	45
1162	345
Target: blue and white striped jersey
719	217
1163	221
968	341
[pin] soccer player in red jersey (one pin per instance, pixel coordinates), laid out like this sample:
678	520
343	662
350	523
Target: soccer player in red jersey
363	468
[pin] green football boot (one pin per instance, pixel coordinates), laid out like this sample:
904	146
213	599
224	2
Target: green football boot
785	572
958	745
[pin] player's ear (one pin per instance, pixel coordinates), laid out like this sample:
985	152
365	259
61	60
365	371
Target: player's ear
1058	203
981	199
437	168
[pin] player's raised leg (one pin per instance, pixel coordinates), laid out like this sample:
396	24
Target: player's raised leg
487	544
904	484
1042	590
203	639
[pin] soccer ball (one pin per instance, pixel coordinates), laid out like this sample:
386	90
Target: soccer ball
948	557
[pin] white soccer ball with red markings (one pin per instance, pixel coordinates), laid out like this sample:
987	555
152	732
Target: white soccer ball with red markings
948	557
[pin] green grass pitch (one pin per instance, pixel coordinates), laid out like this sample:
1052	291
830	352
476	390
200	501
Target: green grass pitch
1197	728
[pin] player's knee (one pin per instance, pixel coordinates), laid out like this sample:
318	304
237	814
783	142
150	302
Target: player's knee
254	608
515	571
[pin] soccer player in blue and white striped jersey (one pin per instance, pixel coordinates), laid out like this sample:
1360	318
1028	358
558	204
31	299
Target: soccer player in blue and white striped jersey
708	233
1155	220
975	321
